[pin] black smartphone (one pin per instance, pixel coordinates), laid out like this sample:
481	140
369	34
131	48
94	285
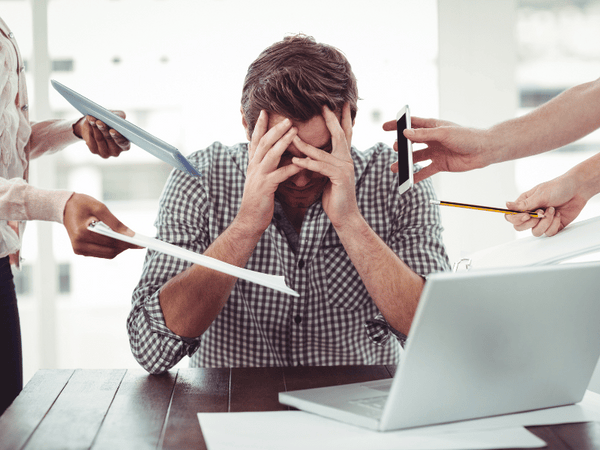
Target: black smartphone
405	160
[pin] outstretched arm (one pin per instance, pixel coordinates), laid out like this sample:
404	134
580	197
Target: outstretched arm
452	148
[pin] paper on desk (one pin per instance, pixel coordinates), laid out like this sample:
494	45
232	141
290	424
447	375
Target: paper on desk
296	429
270	281
588	410
293	430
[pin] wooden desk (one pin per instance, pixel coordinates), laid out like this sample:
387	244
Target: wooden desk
129	409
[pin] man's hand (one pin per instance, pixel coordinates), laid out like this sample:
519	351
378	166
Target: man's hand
339	196
450	147
99	138
562	201
80	211
264	175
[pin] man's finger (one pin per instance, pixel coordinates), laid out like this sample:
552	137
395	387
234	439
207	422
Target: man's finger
274	152
260	128
347	122
313	152
312	165
338	137
270	139
283	173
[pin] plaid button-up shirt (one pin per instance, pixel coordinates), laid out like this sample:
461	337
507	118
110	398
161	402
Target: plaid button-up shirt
334	321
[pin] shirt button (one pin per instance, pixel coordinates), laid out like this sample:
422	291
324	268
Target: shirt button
301	264
25	107
21	69
11	35
297	319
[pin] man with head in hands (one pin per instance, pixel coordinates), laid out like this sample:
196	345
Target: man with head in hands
296	201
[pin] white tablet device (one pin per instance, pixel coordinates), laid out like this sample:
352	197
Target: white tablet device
135	134
405	160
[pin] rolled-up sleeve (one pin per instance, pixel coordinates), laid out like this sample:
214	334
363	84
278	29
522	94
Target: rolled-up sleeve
416	237
416	234
180	222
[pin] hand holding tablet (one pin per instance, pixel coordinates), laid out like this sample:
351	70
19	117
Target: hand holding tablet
133	133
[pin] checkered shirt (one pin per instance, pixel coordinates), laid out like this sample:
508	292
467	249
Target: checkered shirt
333	322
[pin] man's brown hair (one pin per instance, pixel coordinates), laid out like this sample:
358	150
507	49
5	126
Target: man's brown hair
295	78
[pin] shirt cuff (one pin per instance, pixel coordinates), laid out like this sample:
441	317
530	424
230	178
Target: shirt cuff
155	318
47	205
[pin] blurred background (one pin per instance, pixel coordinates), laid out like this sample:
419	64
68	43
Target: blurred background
176	68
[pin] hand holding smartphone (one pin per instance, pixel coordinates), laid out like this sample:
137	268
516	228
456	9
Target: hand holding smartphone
405	160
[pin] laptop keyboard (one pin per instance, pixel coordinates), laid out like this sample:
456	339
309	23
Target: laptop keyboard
374	403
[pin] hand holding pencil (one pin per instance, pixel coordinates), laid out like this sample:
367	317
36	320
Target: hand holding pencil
562	198
545	209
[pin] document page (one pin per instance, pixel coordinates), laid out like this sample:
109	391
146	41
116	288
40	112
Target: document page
271	281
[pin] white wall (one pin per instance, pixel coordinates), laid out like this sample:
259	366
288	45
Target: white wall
477	65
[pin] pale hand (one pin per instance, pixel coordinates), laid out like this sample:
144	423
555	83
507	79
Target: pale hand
560	199
264	174
339	196
450	147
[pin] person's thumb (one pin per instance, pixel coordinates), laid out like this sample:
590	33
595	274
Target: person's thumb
422	134
115	224
525	203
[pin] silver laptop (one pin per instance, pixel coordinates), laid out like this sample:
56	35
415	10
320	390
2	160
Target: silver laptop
482	343
133	133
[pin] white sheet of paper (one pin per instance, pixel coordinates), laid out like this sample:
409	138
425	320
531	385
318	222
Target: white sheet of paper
293	430
588	410
297	429
270	281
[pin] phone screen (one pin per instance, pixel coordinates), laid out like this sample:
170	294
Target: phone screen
405	164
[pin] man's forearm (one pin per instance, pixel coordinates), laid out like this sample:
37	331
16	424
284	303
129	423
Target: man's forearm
191	300
564	119
394	287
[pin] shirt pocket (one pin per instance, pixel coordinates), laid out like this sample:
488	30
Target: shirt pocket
345	288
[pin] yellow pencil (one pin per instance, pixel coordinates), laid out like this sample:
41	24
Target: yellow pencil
484	208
